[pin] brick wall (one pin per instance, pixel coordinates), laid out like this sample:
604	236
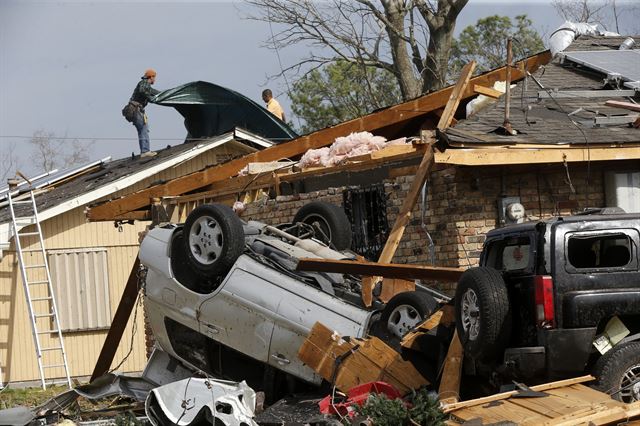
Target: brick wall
462	205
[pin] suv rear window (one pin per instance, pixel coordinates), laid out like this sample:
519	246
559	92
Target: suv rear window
509	254
599	251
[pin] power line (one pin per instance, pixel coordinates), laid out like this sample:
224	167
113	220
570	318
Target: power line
100	138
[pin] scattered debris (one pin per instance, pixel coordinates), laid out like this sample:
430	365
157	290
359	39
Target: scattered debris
350	362
196	401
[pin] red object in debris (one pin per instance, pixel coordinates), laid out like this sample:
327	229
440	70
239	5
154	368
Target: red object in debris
356	396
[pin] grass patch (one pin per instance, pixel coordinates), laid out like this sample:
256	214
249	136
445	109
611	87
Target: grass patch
28	397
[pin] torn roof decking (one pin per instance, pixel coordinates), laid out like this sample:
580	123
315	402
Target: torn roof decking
105	178
387	122
544	120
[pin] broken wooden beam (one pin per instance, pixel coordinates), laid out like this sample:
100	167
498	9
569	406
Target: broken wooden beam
119	323
387	270
487	91
238	184
349	363
456	95
449	391
447	408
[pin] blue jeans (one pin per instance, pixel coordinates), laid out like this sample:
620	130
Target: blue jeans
143	132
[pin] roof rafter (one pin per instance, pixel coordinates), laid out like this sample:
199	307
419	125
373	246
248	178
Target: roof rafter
371	122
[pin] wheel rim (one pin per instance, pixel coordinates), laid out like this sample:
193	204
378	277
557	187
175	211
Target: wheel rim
630	385
205	240
402	319
470	314
320	222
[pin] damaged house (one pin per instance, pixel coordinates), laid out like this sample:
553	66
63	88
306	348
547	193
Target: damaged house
569	151
89	262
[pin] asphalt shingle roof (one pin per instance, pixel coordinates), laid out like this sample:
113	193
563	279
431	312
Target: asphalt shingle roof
547	120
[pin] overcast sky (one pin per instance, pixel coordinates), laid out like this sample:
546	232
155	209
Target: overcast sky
68	67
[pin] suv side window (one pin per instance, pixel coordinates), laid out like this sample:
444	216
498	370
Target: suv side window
603	250
509	254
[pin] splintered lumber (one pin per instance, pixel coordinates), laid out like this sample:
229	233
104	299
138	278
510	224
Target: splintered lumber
456	95
624	105
387	270
566	403
449	390
373	122
393	286
348	363
487	91
448	408
444	316
422	174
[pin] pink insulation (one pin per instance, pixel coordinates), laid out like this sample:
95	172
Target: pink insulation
355	144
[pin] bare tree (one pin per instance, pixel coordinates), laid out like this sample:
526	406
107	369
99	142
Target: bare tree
607	13
409	38
9	162
57	152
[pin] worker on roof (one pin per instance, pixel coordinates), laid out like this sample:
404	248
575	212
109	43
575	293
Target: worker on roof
273	106
142	95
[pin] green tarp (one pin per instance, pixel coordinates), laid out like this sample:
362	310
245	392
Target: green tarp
211	110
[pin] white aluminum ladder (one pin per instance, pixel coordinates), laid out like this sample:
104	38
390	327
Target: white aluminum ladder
43	311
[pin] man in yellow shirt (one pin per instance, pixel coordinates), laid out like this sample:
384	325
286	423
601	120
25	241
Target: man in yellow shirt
273	106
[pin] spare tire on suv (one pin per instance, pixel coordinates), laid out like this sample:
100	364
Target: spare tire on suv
483	315
330	219
213	239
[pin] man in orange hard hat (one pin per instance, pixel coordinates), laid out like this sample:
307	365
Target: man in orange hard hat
142	94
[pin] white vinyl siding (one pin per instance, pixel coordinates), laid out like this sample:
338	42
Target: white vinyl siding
80	281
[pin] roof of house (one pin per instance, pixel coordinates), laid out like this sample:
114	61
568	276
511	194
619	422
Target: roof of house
545	115
102	178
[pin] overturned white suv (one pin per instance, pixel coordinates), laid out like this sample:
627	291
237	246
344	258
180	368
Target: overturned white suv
223	295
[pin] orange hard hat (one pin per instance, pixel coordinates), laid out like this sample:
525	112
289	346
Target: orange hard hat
150	73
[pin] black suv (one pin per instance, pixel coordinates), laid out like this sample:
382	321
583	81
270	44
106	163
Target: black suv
545	291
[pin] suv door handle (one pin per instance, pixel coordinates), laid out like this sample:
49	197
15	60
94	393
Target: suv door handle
281	359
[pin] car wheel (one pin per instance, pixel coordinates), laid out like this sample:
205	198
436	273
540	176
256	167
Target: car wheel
618	372
406	310
482	312
214	239
330	219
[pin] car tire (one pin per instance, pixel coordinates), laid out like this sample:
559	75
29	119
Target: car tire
214	239
618	369
331	219
483	314
405	311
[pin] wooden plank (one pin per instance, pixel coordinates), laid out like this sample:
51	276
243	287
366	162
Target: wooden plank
456	95
371	122
487	91
624	105
502	156
119	323
422	174
437	318
135	215
241	183
369	360
449	390
388	270
393	286
504	395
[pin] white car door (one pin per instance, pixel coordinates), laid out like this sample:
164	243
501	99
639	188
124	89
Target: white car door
240	313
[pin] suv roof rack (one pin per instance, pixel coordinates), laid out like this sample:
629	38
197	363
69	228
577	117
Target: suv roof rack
601	211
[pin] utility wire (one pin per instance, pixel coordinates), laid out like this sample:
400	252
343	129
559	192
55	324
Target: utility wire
282	73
